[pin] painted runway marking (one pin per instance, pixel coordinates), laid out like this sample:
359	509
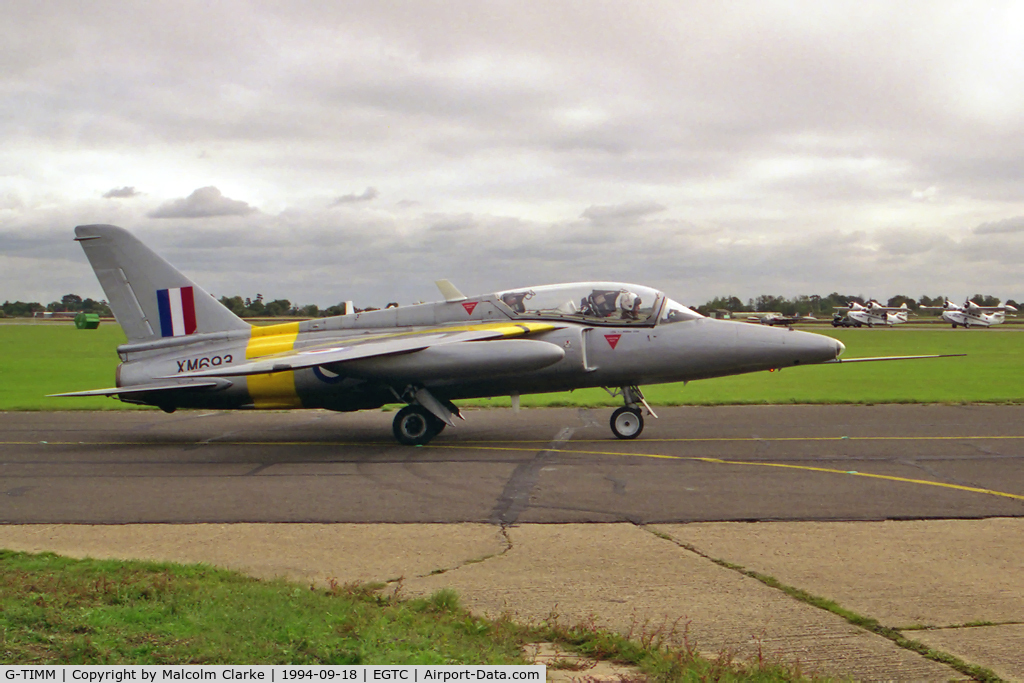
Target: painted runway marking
470	442
719	461
482	445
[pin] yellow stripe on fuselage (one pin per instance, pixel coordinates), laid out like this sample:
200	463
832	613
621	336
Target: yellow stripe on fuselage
276	389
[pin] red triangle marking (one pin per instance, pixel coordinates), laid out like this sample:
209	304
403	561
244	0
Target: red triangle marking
469	306
613	339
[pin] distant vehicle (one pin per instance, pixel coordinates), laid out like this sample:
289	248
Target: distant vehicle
186	350
971	314
774	318
872	313
843	320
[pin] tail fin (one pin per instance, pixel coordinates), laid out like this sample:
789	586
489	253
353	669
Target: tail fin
148	295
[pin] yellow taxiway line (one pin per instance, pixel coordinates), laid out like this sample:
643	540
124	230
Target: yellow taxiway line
482	445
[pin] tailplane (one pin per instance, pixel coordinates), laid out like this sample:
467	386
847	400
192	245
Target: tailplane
150	298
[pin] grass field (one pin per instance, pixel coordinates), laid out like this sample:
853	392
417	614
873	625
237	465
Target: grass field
40	359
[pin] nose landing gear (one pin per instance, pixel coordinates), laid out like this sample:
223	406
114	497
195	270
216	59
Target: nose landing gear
628	421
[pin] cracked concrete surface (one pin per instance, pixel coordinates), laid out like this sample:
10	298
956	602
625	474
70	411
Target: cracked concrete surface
1000	647
347	553
621	576
936	573
625	578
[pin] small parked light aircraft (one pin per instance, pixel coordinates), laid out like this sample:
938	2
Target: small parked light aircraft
186	350
972	315
872	313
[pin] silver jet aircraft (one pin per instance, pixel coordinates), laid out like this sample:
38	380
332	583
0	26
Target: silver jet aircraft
186	350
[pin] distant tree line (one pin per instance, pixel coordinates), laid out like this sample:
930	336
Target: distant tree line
816	304
258	308
242	307
68	303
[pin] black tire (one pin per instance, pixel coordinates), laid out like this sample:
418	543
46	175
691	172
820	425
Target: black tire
627	423
415	426
954	326
438	423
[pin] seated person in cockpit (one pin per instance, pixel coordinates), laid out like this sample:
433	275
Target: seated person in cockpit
610	303
628	305
514	300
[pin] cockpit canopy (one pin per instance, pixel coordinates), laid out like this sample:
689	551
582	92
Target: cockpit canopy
597	302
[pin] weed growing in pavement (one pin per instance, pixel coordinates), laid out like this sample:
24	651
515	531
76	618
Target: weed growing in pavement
977	673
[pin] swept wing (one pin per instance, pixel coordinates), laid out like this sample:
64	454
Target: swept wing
147	388
877	358
333	352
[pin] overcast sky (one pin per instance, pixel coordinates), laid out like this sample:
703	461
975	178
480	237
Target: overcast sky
360	150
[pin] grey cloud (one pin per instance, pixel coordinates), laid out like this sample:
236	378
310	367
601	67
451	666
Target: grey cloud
369	194
1008	225
311	258
206	202
899	244
457	223
603	215
121	193
782	126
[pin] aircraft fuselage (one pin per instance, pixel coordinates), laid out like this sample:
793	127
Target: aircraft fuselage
573	356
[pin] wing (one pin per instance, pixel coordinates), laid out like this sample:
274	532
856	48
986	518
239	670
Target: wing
337	351
146	388
870	360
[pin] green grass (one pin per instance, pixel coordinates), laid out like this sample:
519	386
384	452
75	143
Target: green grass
991	372
55	610
49	358
36	360
63	611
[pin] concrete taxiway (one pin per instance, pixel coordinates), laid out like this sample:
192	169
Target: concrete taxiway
657	546
552	466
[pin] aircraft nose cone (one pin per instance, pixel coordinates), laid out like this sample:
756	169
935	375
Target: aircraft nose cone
840	347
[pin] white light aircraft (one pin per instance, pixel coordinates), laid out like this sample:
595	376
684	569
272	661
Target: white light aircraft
873	313
973	315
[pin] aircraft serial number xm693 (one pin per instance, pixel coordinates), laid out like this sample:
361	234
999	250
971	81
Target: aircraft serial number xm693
186	350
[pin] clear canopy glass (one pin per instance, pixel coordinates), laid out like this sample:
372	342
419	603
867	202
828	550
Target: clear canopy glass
674	312
599	302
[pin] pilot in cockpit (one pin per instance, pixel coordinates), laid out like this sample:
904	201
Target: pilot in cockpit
604	303
628	305
514	300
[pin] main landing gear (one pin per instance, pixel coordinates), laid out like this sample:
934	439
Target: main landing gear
424	418
414	425
628	421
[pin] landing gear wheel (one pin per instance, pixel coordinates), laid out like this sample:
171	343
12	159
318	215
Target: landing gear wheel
438	424
627	423
415	426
